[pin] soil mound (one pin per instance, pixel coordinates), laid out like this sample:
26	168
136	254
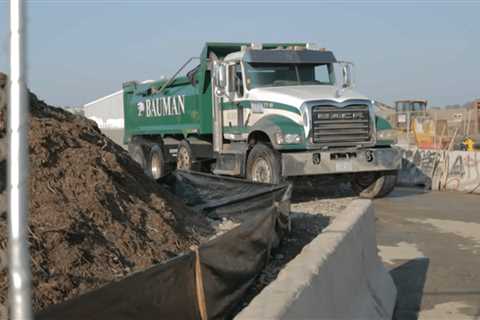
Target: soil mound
94	216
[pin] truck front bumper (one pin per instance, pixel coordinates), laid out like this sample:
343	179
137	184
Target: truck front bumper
340	161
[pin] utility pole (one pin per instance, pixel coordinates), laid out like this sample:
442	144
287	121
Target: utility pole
18	165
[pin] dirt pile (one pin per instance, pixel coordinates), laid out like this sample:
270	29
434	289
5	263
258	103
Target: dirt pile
94	216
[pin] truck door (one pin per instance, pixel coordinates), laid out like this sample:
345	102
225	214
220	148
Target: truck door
233	121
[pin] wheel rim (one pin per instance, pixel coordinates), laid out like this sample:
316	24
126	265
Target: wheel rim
183	159
156	166
262	172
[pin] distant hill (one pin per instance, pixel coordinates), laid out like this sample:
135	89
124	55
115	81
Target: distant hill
456	106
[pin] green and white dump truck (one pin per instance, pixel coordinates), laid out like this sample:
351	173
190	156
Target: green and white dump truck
265	112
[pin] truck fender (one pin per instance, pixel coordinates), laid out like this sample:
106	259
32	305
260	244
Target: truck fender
270	125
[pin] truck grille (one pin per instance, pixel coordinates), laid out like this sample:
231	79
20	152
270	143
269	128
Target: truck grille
347	125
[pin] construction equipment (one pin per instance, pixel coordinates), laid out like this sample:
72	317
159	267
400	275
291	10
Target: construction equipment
407	111
265	112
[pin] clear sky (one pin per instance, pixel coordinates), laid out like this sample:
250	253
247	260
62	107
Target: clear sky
81	50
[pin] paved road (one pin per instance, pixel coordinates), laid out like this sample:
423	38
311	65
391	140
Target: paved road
430	241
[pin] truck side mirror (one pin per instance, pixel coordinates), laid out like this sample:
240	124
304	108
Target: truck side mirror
347	75
221	77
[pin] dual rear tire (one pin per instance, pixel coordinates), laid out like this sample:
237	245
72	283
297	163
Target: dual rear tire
156	163
151	158
137	152
184	156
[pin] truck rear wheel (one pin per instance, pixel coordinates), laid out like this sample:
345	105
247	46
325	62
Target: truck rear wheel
184	156
263	164
373	185
156	162
135	150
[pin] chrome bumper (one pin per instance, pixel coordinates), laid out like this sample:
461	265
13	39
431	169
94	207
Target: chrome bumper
340	161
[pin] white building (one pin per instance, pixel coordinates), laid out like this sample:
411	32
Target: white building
107	112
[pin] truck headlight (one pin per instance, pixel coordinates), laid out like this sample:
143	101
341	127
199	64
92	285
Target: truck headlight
387	135
287	138
306	119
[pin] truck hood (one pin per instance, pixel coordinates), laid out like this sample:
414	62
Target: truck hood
297	95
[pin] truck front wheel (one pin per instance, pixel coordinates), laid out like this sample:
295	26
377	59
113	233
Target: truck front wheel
373	185
263	164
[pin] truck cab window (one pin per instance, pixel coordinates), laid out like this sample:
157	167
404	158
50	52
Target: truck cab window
278	75
235	80
238	80
323	74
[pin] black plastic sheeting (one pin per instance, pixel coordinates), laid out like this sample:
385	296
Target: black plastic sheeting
229	263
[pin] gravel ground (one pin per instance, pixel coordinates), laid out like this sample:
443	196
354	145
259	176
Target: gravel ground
326	197
313	209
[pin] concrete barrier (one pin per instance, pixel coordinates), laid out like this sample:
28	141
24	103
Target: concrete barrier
418	167
441	170
460	172
337	276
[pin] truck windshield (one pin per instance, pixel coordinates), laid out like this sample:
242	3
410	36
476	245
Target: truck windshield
260	75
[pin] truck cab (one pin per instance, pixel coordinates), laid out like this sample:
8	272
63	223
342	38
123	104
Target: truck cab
276	111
